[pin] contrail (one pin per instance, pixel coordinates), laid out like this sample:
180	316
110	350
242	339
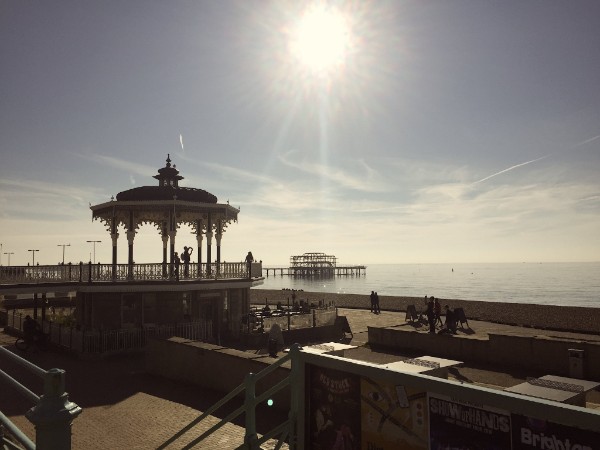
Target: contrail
181	142
587	141
510	168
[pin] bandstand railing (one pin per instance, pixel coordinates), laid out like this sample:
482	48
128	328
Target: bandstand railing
88	272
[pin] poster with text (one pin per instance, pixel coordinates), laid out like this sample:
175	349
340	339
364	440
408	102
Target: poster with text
333	409
537	434
456	425
393	417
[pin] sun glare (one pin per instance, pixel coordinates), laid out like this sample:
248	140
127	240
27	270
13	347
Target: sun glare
321	40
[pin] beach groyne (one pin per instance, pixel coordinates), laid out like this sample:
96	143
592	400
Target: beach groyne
551	317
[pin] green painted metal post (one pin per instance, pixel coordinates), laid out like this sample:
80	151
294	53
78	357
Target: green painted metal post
54	414
250	438
296	394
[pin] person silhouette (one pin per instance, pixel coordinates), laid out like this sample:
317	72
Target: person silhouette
176	262
186	256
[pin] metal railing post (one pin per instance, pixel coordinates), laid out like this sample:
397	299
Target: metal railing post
250	438
296	393
54	414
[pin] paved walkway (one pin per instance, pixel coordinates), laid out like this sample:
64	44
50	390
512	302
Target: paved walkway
125	408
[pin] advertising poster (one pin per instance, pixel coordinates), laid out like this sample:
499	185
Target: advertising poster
333	421
455	425
530	434
393	417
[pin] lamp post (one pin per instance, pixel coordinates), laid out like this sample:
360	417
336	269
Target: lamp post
33	255
1	244
94	243
9	253
63	246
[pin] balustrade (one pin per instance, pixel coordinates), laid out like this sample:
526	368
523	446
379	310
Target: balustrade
120	272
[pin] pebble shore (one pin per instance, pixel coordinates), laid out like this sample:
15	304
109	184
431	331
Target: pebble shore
563	318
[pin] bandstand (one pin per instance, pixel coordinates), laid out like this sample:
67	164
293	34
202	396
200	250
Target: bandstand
166	207
127	302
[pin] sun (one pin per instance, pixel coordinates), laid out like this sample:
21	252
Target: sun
321	40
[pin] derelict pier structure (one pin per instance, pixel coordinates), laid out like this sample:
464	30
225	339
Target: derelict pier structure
316	265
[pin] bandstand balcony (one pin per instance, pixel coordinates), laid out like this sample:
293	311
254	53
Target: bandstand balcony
89	272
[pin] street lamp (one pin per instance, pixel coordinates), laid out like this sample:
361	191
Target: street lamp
63	246
9	253
94	243
33	255
1	244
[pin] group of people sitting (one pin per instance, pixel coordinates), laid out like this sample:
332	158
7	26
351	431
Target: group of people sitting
434	316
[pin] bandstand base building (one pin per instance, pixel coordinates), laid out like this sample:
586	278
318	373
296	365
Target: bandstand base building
208	297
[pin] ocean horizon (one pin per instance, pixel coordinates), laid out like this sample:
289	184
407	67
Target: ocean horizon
562	284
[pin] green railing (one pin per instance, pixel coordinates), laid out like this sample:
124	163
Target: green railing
52	414
286	431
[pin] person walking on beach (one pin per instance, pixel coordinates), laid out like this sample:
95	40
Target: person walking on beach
372	301
186	256
377	310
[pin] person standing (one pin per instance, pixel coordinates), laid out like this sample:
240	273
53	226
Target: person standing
431	316
372	301
249	261
377	310
438	311
176	262
186	256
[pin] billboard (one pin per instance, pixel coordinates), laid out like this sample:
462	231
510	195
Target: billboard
463	426
536	434
393	416
333	410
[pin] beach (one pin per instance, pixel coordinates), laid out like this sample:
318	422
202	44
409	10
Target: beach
550	317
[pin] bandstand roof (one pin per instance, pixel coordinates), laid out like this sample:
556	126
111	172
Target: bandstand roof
159	205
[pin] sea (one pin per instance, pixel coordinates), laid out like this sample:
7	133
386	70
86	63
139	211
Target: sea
563	284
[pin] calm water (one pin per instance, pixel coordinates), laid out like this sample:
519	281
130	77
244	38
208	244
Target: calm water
568	284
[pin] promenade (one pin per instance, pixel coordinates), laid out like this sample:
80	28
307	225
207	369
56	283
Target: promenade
126	408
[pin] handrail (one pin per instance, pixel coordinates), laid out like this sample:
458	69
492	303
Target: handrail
53	413
251	400
16	432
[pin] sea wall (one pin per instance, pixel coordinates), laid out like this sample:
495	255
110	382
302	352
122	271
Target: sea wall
564	318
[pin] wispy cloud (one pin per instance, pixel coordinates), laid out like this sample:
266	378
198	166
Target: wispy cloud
367	182
121	164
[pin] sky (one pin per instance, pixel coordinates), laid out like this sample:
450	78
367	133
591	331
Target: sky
379	132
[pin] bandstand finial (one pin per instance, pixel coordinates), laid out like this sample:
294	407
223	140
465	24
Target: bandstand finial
168	160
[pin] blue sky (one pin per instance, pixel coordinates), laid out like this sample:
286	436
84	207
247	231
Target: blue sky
447	131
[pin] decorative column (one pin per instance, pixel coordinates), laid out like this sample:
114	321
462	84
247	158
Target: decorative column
165	242
199	239
209	235
172	235
130	238
218	239
114	237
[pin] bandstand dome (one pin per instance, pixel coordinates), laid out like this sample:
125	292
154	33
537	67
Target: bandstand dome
166	207
168	187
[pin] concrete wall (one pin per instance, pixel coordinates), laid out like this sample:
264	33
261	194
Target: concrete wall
213	366
550	356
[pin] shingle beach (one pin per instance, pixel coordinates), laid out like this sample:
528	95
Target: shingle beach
564	318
